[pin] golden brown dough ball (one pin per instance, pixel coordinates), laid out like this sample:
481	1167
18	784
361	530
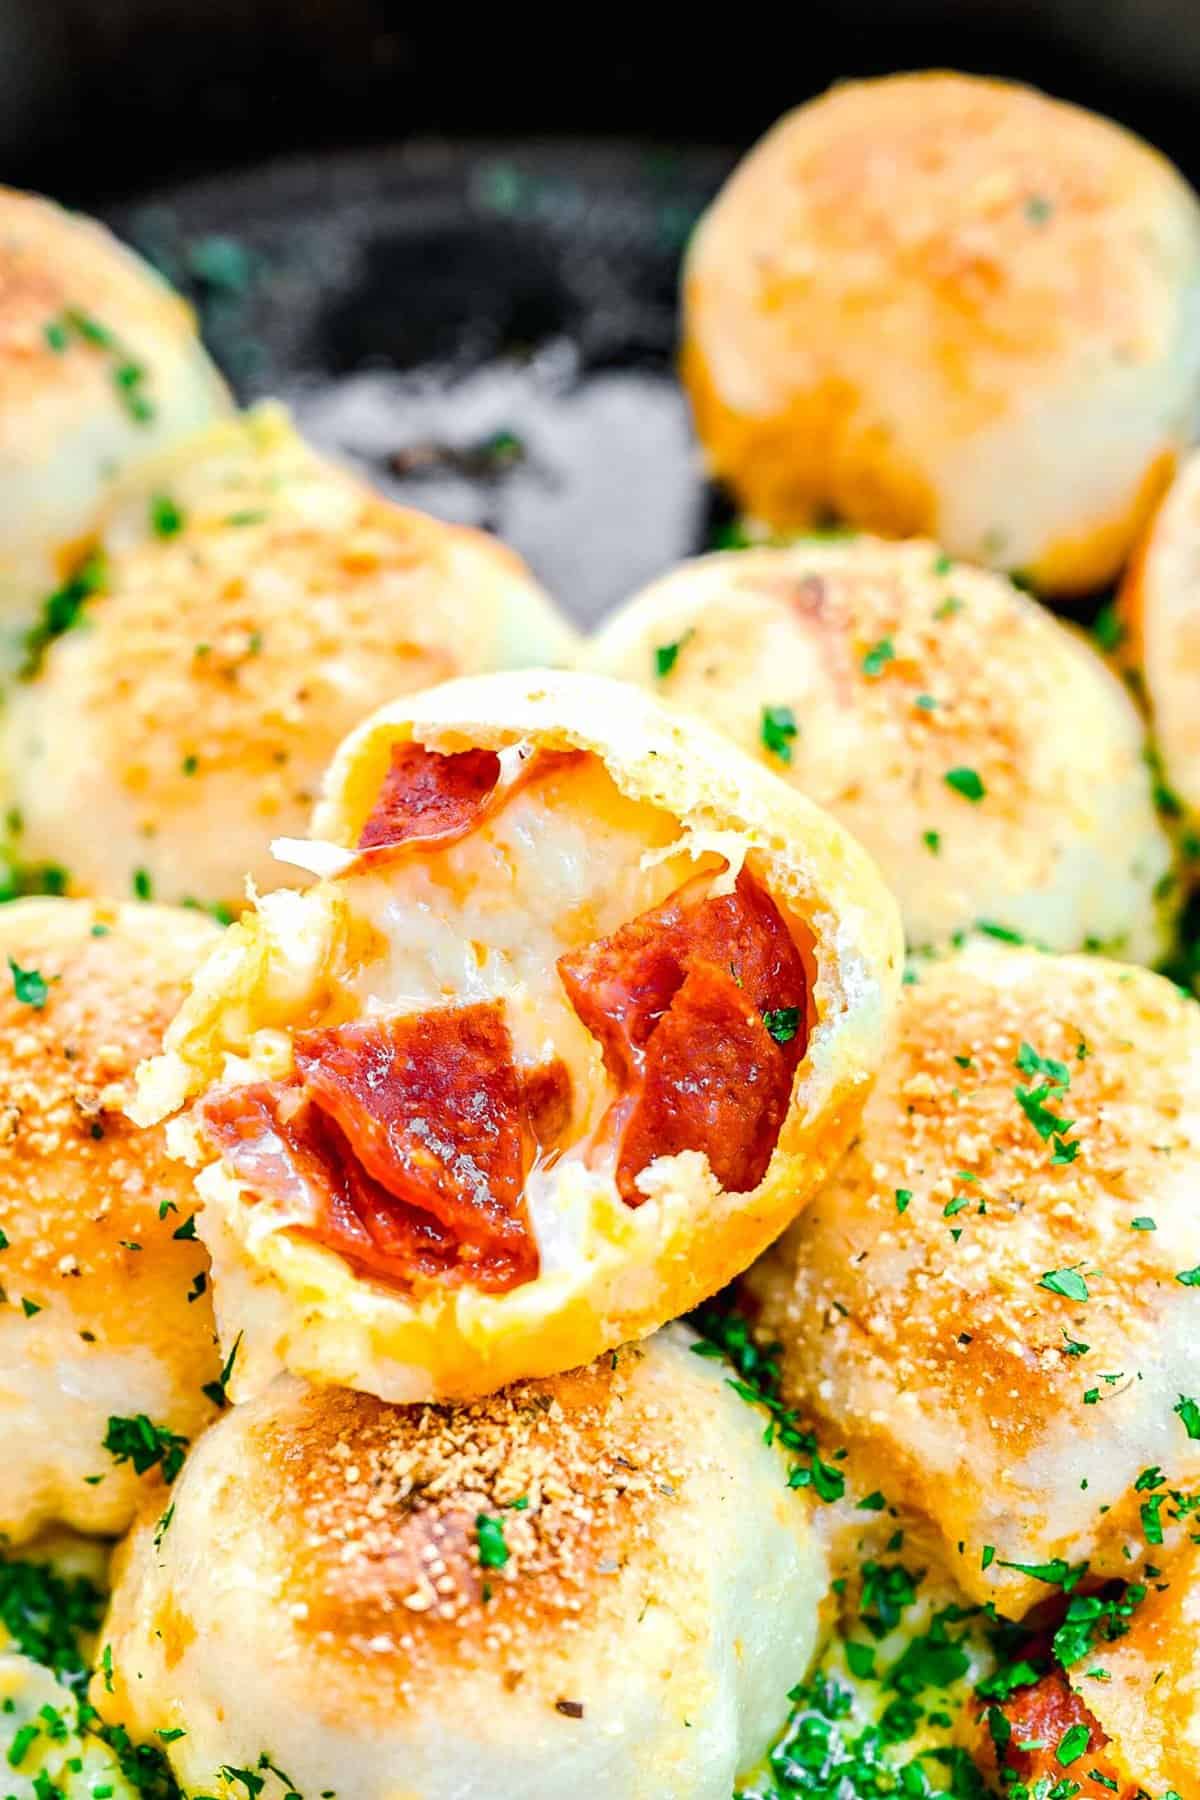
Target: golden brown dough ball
598	1584
981	751
106	1312
995	1299
1160	609
99	364
255	602
952	306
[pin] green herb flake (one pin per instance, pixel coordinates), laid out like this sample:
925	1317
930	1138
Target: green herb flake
1189	1412
1072	1744
965	782
216	1391
29	985
777	728
139	1441
782	1023
489	1537
877	658
667	655
166	519
1069	1284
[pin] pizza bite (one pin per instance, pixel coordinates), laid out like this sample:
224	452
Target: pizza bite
99	364
981	750
994	1300
583	1007
106	1325
595	1584
1159	607
252	603
940	304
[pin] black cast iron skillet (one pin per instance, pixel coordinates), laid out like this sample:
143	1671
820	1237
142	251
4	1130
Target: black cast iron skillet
488	331
489	326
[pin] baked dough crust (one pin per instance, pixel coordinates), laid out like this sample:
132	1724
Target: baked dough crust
67	421
918	1326
609	1272
106	1311
318	1592
1159	604
214	674
937	304
901	667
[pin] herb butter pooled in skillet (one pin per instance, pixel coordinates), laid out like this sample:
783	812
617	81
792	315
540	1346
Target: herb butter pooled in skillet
951	306
251	603
994	1300
107	1344
596	1584
981	751
583	1009
99	364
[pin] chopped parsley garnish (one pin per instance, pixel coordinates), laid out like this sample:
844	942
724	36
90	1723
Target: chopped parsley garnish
878	657
187	1230
489	1536
1072	1744
932	841
1189	1412
1094	1619
48	1616
127	374
146	1445
1032	1101
666	655
777	728
966	782
143	887
216	1390
726	1333
166	519
903	1200
1068	1283
61	610
1055	1573
782	1022
29	985
1189	1277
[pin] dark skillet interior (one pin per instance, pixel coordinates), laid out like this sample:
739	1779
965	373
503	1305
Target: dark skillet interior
487	330
488	327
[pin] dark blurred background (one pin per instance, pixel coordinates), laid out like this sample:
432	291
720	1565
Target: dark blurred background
98	97
452	243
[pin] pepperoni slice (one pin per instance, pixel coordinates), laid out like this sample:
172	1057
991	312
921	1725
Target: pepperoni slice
426	794
1048	1733
277	1144
430	1104
402	1143
676	1000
